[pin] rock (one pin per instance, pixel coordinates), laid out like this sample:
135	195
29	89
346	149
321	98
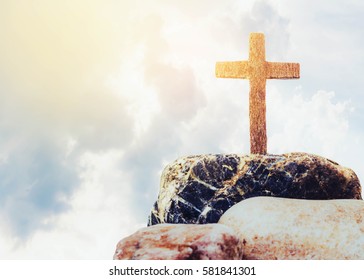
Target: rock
279	228
180	242
199	189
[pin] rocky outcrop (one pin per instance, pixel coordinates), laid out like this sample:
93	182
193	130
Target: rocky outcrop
278	228
199	189
180	242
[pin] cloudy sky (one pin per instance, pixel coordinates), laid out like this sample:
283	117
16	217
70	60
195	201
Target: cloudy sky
97	96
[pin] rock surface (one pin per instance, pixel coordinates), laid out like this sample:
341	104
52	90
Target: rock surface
180	242
278	228
199	189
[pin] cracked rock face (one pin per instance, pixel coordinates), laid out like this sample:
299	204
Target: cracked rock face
180	242
199	189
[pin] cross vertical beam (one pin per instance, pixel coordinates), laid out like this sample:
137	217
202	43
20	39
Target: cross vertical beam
257	104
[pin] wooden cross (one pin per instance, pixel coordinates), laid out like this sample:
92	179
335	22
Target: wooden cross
257	70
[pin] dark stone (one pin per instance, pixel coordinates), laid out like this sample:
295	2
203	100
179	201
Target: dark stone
199	189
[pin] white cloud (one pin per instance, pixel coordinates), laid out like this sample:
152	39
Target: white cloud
54	59
316	124
100	214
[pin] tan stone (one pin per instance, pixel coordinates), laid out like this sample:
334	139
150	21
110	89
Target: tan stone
278	228
180	242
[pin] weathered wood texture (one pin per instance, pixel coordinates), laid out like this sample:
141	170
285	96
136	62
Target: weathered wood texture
257	70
